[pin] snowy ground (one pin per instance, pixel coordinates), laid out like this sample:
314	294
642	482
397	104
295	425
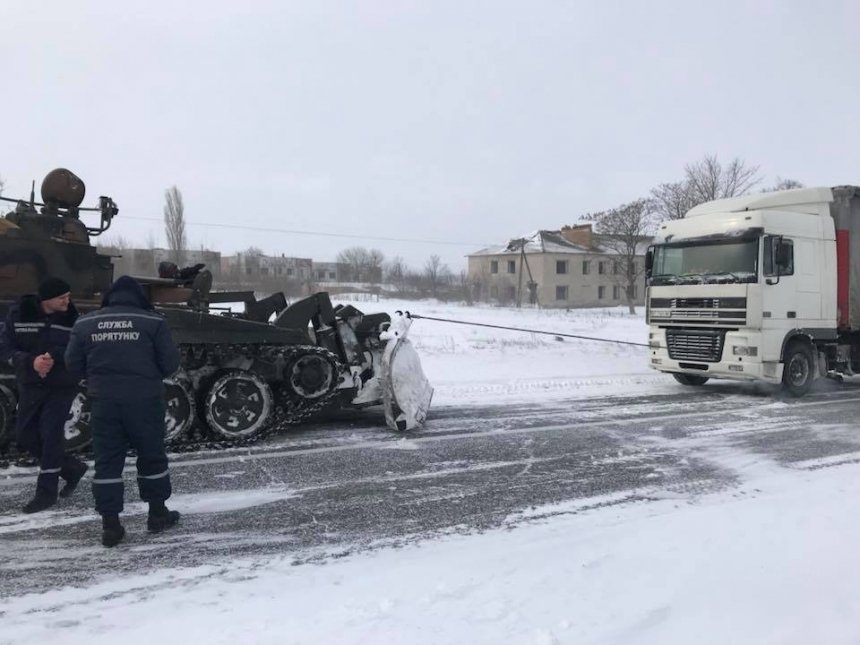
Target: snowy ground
755	543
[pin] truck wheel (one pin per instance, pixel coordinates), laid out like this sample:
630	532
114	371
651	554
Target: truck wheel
799	370
690	379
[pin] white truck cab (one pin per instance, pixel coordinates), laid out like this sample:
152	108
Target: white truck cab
756	287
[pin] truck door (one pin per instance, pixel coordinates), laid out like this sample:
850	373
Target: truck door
807	274
780	293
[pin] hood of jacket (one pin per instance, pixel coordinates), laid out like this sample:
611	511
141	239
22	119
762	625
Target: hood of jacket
126	291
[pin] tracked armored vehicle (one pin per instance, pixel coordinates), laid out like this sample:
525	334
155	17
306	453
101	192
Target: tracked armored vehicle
242	374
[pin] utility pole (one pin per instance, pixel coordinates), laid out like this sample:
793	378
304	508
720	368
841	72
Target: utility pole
524	260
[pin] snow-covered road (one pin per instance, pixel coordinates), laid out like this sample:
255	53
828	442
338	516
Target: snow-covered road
346	486
513	513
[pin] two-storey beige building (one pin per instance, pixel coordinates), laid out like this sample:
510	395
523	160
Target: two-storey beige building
564	268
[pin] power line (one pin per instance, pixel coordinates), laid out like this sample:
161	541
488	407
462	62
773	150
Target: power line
264	229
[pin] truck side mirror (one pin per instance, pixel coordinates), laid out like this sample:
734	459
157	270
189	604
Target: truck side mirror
649	262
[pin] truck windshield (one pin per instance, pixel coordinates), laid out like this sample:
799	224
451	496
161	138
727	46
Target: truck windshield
705	263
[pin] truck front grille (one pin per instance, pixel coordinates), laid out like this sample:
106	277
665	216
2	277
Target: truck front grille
699	345
702	311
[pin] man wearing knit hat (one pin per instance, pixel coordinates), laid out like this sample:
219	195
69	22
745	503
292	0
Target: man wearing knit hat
34	341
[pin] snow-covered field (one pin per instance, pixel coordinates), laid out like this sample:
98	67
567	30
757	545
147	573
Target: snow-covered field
771	560
480	364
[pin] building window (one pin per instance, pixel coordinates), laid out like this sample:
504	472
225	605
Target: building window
280	270
320	275
510	293
494	266
601	293
586	268
601	268
248	270
616	267
561	293
634	291
332	275
561	266
494	292
264	270
512	266
616	292
290	271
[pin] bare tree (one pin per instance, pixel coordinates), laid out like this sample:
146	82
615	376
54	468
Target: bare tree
394	272
364	265
624	232
783	184
435	272
355	258
704	181
672	201
375	260
466	287
708	179
174	224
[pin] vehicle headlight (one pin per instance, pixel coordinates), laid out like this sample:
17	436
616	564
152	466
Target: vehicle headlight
745	350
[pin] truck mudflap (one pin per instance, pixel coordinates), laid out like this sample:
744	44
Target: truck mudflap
406	392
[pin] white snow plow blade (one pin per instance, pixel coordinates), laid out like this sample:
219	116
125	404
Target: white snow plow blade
406	392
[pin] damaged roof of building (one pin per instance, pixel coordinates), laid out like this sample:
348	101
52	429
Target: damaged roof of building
540	242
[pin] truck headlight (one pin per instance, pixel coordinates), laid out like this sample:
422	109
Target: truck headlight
654	344
745	350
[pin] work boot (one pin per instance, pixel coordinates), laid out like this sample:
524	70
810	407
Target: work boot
73	480
112	530
160	518
40	502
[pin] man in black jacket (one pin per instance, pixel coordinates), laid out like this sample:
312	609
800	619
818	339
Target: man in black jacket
125	349
34	340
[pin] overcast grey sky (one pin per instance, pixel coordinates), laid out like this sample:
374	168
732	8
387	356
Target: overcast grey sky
462	122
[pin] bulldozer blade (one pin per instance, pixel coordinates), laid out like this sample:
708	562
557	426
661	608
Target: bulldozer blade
406	392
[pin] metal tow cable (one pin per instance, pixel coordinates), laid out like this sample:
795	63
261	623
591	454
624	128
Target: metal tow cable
528	331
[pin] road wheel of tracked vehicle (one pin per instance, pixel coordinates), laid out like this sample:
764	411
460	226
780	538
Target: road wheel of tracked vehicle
77	429
239	405
179	411
8	400
799	369
311	375
690	379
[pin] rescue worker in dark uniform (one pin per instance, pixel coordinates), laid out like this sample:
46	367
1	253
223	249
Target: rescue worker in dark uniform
125	350
34	341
